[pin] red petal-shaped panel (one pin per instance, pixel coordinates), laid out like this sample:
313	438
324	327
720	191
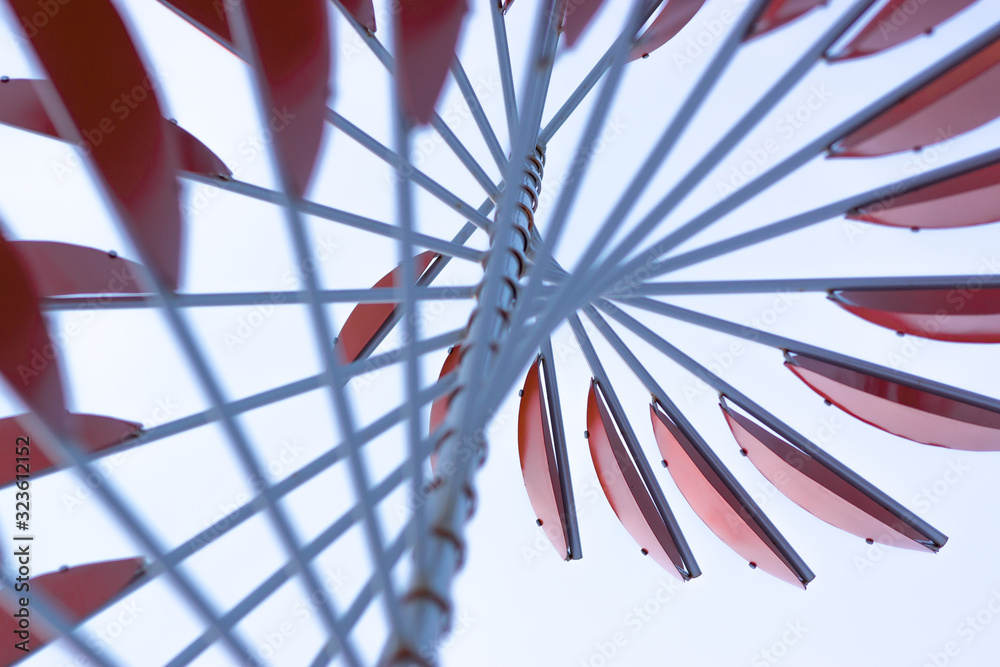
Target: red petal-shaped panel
716	504
426	35
961	99
577	16
899	21
292	42
779	12
972	198
966	315
539	469
28	359
439	408
111	104
367	319
208	15
624	489
914	414
672	18
82	590
59	269
93	432
362	11
818	489
195	156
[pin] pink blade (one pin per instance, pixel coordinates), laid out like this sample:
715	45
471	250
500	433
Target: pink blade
59	269
94	433
972	198
208	15
195	156
292	43
623	487
818	489
900	21
82	591
539	469
362	11
779	12
577	15
715	503
961	99
910	413
364	323
672	18
28	358
968	315
426	35
109	101
439	408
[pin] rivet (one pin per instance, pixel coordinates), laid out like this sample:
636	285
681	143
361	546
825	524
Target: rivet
664	462
644	552
112	254
4	79
869	540
753	565
538	521
586	434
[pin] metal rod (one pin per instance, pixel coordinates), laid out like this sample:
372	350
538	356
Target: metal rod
506	72
813	285
479	114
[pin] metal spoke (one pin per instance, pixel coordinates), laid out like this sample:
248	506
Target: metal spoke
479	114
813	285
506	72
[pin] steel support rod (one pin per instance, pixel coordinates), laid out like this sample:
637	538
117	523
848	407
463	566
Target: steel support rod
479	114
815	285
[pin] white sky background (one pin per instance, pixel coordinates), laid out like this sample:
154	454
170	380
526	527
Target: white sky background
518	603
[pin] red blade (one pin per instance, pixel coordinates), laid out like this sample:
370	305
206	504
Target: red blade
624	489
195	156
28	357
82	591
94	434
818	489
439	408
109	101
898	22
910	413
970	315
362	11
675	15
59	269
779	12
577	15
711	498
961	99
208	15
972	198
426	34
535	445
367	319
292	43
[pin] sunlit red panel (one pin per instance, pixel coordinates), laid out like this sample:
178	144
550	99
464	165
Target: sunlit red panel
818	489
911	413
779	12
672	18
900	21
716	504
426	35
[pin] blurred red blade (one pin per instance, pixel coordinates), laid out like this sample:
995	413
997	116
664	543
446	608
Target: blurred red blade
972	198
367	319
292	43
961	99
968	315
208	15
536	448
716	504
94	433
910	413
28	359
897	22
818	489
362	11
672	18
82	591
109	101
628	496
59	269
577	15
779	12
426	35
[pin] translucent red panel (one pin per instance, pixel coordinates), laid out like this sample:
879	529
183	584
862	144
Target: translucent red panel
61	268
195	156
972	198
629	497
578	14
675	15
961	99
293	48
367	319
82	591
711	498
969	314
899	21
426	34
111	105
539	469
779	12
914	414
818	489
439	408
93	433
208	15
362	11
28	358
